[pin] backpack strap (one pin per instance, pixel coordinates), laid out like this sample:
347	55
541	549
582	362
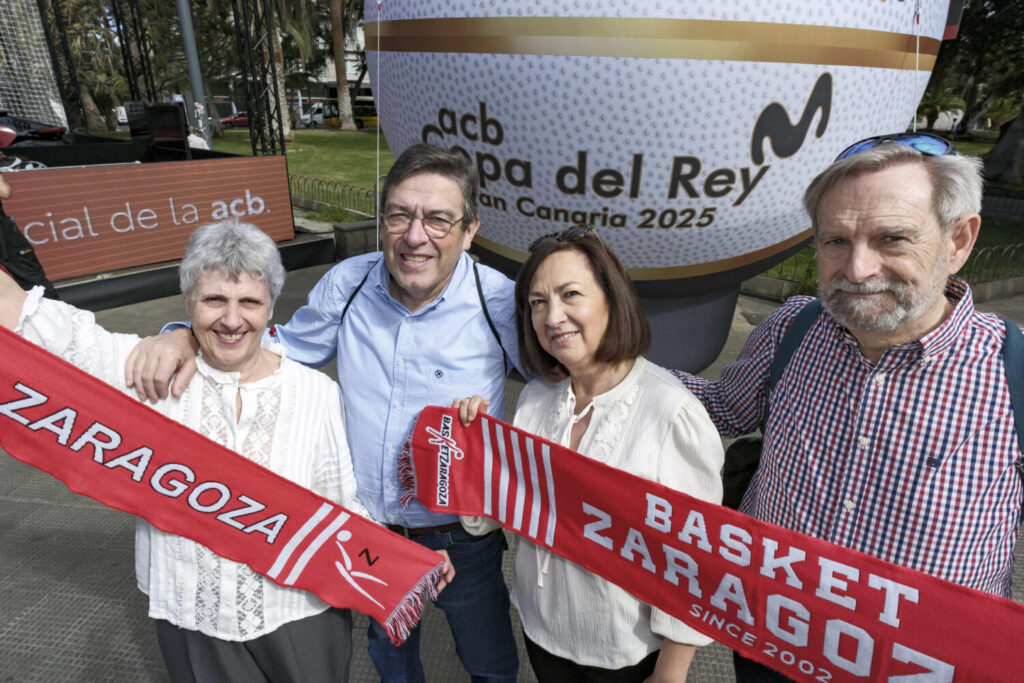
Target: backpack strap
791	340
487	315
1013	362
355	291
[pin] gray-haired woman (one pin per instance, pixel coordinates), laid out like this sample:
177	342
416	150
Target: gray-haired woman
217	620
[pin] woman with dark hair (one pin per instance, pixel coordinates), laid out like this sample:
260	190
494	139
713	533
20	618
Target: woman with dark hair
583	330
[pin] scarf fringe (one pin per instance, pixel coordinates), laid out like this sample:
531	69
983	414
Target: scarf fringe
407	615
406	477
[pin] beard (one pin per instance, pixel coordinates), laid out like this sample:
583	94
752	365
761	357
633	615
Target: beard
893	303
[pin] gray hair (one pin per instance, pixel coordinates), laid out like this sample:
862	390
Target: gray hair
426	158
956	179
231	248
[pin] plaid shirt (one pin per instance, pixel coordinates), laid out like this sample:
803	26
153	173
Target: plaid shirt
910	460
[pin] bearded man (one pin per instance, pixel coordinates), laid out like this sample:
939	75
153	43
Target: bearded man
891	429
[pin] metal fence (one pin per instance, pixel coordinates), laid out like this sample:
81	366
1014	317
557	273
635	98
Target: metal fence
994	263
986	264
356	200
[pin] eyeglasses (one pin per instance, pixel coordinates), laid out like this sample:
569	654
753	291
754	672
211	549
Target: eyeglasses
399	222
570	234
925	143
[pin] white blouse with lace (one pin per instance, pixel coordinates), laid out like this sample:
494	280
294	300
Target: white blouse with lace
649	425
291	422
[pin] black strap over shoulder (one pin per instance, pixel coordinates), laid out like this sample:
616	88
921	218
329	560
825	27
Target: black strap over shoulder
1013	362
355	291
791	340
487	315
479	291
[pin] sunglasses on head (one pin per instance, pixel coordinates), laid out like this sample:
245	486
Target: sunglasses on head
925	143
568	235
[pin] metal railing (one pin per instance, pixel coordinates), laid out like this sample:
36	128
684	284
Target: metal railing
356	200
986	264
994	263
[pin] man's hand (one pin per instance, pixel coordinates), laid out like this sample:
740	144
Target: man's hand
447	572
153	362
5	189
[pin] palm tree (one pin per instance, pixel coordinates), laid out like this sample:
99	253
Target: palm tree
936	101
345	16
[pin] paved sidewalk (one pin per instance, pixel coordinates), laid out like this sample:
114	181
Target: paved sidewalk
69	608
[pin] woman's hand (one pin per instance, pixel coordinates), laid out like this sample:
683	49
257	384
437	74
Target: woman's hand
469	408
447	572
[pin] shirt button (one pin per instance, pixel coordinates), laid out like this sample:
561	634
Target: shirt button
401	362
390	485
396	405
849	505
391	518
926	360
863	440
879	378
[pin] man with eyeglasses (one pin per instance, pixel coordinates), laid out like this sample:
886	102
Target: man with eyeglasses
414	325
891	429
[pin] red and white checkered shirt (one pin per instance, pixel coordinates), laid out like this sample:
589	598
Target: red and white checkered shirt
910	460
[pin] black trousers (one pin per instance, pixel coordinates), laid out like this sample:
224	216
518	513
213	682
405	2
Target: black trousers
551	668
314	650
749	671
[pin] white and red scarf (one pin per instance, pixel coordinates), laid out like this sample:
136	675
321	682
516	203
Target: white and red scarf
105	445
805	607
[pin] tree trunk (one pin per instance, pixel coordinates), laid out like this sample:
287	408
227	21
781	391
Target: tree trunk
93	117
338	43
1005	162
282	93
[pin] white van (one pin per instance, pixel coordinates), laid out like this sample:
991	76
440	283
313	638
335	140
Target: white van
314	117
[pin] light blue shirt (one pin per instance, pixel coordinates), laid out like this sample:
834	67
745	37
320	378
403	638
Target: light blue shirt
393	363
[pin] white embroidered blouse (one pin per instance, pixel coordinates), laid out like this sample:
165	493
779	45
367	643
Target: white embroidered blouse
291	422
649	425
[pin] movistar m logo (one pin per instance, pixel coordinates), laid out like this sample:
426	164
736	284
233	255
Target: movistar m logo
787	138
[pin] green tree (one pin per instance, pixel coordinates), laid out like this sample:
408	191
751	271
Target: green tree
935	102
985	62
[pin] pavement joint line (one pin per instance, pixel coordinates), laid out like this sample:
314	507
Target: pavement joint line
46	501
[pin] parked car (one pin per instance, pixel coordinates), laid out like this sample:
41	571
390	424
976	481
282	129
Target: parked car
15	131
238	119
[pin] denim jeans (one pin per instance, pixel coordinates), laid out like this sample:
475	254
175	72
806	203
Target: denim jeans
477	607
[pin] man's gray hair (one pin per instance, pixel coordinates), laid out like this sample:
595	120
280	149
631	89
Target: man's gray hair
956	179
231	248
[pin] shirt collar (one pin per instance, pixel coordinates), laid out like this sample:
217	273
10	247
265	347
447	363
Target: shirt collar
231	378
613	395
945	335
942	338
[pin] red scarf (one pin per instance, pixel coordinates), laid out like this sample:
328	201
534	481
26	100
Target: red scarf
805	607
108	446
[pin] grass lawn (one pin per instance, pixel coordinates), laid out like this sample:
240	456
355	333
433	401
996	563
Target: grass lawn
347	156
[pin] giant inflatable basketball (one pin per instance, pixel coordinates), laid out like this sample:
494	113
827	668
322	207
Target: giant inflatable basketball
685	131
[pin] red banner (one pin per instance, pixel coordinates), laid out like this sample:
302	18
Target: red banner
108	446
812	610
